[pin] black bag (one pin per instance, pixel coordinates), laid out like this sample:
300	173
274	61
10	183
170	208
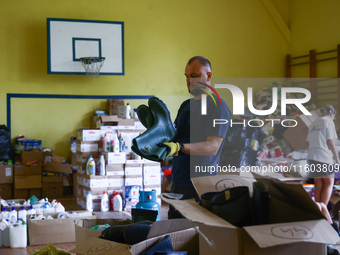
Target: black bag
5	143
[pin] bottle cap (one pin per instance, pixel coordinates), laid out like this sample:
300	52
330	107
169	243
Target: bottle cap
13	208
22	208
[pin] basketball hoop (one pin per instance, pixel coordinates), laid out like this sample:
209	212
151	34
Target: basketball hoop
92	65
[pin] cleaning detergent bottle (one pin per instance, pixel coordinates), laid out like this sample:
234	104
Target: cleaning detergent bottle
13	215
107	143
5	214
104	206
91	166
30	212
89	203
117	203
22	214
120	139
128	111
18	235
116	143
102	169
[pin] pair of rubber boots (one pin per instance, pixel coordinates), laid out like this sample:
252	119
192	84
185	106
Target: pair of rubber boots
157	120
235	206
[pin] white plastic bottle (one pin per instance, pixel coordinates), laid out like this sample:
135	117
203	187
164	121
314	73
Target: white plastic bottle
92	167
102	169
5	214
116	143
127	142
5	235
1	234
89	203
30	212
22	214
13	215
104	207
117	203
18	235
135	115
107	142
128	111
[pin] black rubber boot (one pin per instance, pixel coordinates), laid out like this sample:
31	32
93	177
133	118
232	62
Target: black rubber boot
233	205
145	116
260	203
162	130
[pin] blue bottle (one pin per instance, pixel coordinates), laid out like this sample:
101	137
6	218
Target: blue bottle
147	200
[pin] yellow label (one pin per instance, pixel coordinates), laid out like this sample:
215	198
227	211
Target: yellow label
227	194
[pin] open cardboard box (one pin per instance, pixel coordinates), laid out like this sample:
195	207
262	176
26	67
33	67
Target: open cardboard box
55	230
296	224
183	238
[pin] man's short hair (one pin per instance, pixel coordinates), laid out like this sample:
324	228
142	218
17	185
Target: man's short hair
204	61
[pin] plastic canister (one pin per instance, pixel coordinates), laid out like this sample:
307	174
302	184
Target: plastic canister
18	235
89	203
147	200
5	234
30	212
102	169
117	203
128	111
104	202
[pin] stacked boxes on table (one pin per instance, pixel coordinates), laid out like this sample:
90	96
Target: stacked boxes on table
6	181
28	176
121	168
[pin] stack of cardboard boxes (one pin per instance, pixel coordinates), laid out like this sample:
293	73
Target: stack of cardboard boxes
28	175
6	181
122	168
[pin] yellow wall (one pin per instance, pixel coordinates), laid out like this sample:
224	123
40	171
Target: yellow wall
238	36
315	24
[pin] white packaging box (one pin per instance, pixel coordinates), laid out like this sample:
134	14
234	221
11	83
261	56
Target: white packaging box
152	179
79	179
115	173
134	180
81	202
80	169
79	190
95	181
115	157
88	134
134	169
152	169
113	181
84	146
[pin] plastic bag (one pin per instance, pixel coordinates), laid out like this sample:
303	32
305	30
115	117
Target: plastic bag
50	249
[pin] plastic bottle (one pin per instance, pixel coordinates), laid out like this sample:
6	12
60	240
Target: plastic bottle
115	143
5	235
127	142
104	207
102	169
103	143
30	212
111	200
120	139
18	235
117	203
92	167
128	111
1	234
5	214
89	203
107	143
13	215
88	165
22	214
135	115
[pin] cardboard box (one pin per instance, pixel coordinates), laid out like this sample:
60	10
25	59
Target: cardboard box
52	187
88	135
54	230
86	146
20	170
82	157
152	179
27	182
115	170
183	238
115	157
134	169
115	181
134	180
112	106
26	193
58	167
34	155
6	190
94	181
296	223
6	174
